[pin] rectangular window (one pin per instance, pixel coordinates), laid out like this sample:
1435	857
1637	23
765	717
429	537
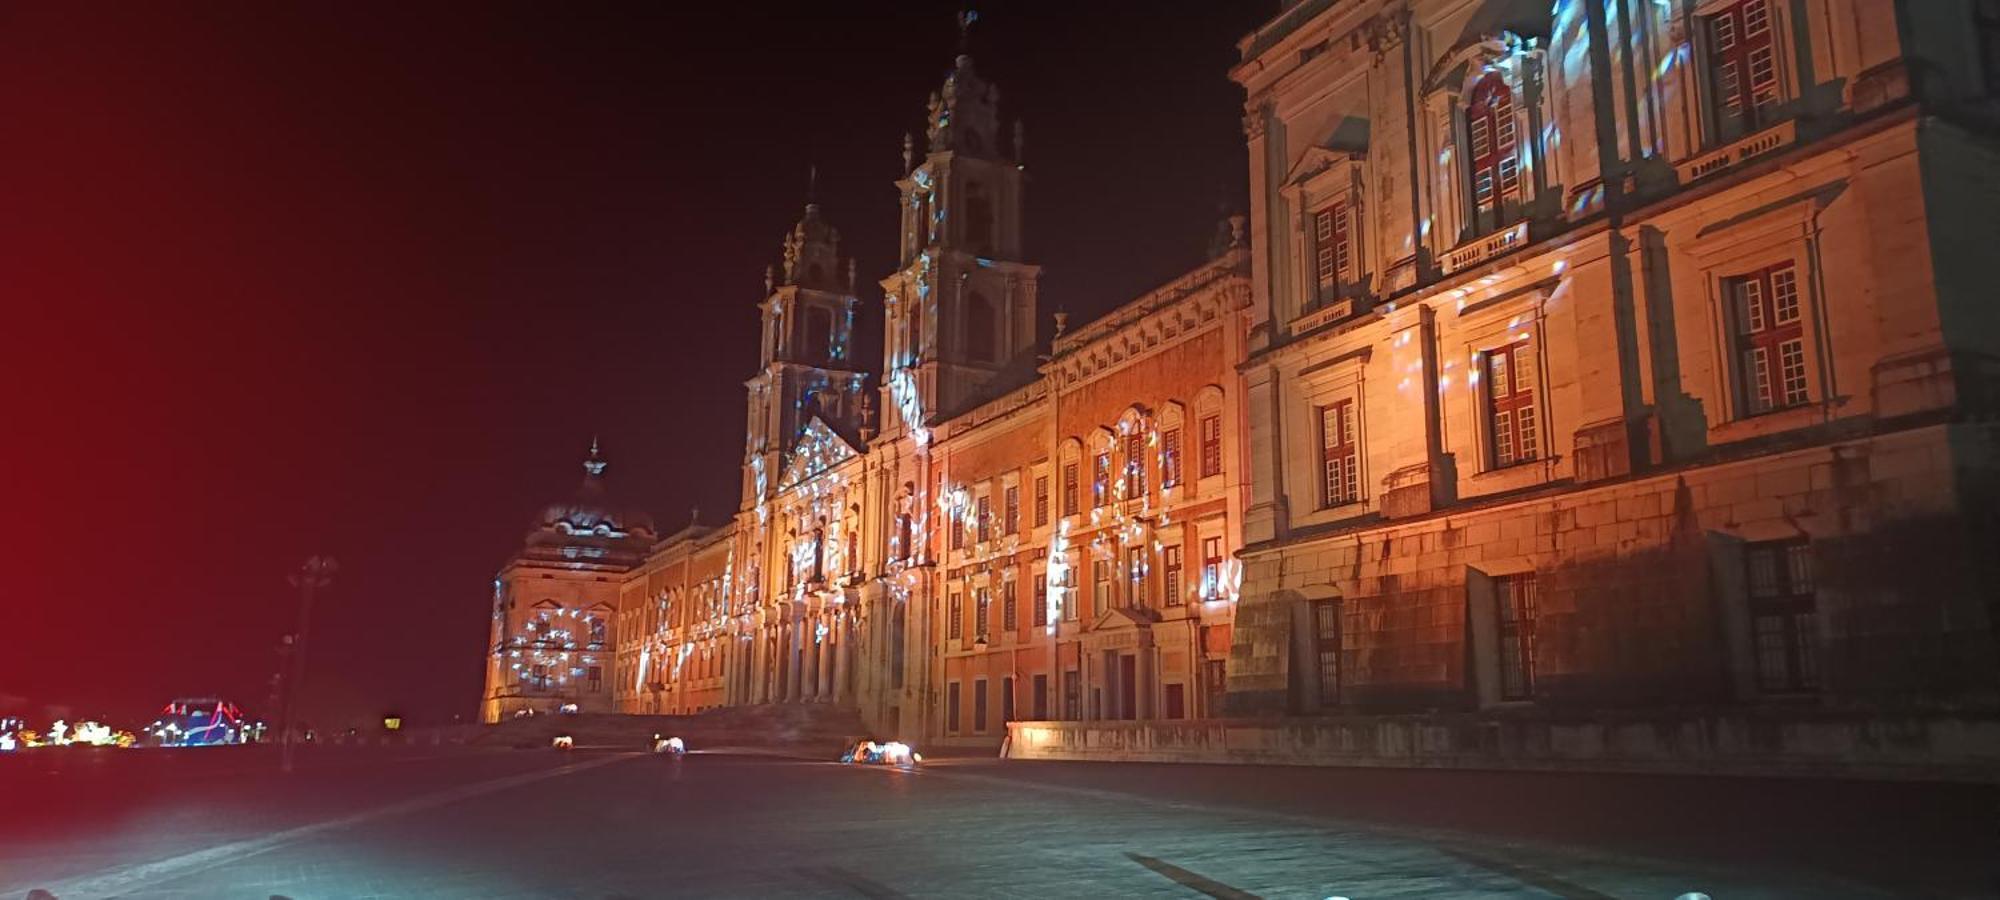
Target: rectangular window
957	621
1170	458
1170	575
1010	516
1340	457
1135	466
1010	620
1072	696
983	518
954	522
1515	598
1100	480
1040	615
1770	339
1006	701
1070	497
1041	500
1784	614
1326	642
1176	701
1100	587
1135	576
1742	67
982	609
1211	446
1510	404
1333	248
595	675
1070	602
1211	568
1040	704
951	720
979	706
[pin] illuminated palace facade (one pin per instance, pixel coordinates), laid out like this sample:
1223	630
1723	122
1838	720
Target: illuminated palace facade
1573	357
999	528
1624	353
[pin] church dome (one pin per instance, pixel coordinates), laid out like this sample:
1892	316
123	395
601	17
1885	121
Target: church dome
593	511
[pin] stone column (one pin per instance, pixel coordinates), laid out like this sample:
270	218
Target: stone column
795	652
761	665
814	656
1147	672
827	649
843	648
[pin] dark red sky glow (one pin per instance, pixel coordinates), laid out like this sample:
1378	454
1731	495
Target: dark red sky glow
363	279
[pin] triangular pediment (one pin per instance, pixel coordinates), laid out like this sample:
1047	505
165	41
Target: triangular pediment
1126	618
1317	160
820	447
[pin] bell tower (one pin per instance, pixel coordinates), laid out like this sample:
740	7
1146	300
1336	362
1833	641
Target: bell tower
807	366
961	309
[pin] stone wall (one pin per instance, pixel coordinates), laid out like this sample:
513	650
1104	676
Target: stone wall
1691	741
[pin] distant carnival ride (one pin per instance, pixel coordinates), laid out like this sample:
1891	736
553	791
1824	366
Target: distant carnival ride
202	722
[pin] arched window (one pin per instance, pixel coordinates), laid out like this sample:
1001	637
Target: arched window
1493	150
979	327
819	333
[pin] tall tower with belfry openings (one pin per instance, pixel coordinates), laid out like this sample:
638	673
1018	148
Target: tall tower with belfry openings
960	310
806	365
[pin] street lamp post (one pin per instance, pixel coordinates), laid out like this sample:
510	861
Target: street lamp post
315	574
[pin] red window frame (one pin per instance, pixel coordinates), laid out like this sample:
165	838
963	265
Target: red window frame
956	625
1041	500
1340	478
1493	148
1743	61
1170	457
1211	567
1071	499
1512	419
1170	575
1211	446
1010	519
1100	479
1040	616
1010	603
982	518
1135	576
1769	318
1135	466
1100	586
1333	245
982	611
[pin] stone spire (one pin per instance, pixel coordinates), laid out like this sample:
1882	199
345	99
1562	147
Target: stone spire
963	114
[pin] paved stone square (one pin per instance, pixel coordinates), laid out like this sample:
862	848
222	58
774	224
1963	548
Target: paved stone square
500	824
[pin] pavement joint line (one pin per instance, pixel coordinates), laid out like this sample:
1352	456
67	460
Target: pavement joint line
1530	876
117	881
1440	840
1192	880
853	881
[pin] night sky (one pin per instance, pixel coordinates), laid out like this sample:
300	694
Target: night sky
364	280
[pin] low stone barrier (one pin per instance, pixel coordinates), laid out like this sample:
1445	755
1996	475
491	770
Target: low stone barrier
1935	747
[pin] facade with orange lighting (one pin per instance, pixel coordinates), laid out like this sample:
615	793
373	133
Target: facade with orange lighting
1575	361
1001	528
1620	354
